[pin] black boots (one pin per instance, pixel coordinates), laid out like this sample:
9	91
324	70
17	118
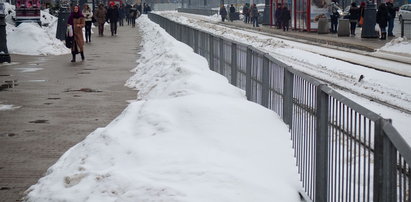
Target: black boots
74	57
383	35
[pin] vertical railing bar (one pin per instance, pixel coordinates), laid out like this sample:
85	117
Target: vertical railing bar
248	73
355	156
222	56
351	153
234	65
369	161
400	176
365	157
321	146
359	158
340	133
345	116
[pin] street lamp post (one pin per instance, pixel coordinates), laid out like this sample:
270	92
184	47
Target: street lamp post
4	53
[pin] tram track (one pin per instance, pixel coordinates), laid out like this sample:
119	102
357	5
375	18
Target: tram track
327	72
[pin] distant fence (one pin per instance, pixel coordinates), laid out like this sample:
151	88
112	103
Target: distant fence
406	28
198	11
343	151
166	6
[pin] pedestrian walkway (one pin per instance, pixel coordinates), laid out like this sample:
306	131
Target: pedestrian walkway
365	46
60	104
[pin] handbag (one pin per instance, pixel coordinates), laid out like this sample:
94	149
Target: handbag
69	41
361	20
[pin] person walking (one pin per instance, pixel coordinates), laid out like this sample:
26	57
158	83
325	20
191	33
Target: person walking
354	17
134	12
391	17
122	15
382	19
254	15
232	12
127	13
334	17
223	13
277	16
76	22
112	16
285	18
101	19
362	12
246	13
89	20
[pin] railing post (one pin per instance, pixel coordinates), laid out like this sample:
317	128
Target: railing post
234	67
266	78
248	73
321	149
195	33
402	27
288	97
385	165
221	56
211	51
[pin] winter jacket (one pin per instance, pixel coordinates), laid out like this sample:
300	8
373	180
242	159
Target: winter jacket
232	9
391	10
122	12
382	15
101	15
354	14
113	14
246	11
285	16
88	15
223	11
254	11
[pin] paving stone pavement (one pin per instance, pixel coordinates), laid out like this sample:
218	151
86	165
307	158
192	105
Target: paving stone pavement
60	103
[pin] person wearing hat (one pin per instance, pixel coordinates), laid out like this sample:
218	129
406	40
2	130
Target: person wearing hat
113	16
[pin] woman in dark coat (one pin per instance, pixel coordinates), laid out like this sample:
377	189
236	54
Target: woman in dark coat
76	22
223	12
285	18
382	18
354	17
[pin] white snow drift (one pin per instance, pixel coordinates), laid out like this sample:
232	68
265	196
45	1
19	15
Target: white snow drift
190	136
31	39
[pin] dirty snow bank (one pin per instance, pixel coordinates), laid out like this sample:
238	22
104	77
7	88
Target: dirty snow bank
190	136
398	45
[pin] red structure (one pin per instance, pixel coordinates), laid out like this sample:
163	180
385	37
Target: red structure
27	11
304	13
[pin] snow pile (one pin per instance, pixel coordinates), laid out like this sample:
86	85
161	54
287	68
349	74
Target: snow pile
398	45
31	39
190	136
10	11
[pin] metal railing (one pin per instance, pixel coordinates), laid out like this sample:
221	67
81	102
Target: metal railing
198	11
405	28
343	151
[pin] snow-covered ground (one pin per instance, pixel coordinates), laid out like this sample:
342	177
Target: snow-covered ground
189	136
398	45
31	39
377	85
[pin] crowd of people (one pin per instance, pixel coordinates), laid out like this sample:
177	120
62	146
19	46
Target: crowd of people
113	14
385	16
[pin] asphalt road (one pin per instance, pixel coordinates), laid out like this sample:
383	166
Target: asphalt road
60	104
